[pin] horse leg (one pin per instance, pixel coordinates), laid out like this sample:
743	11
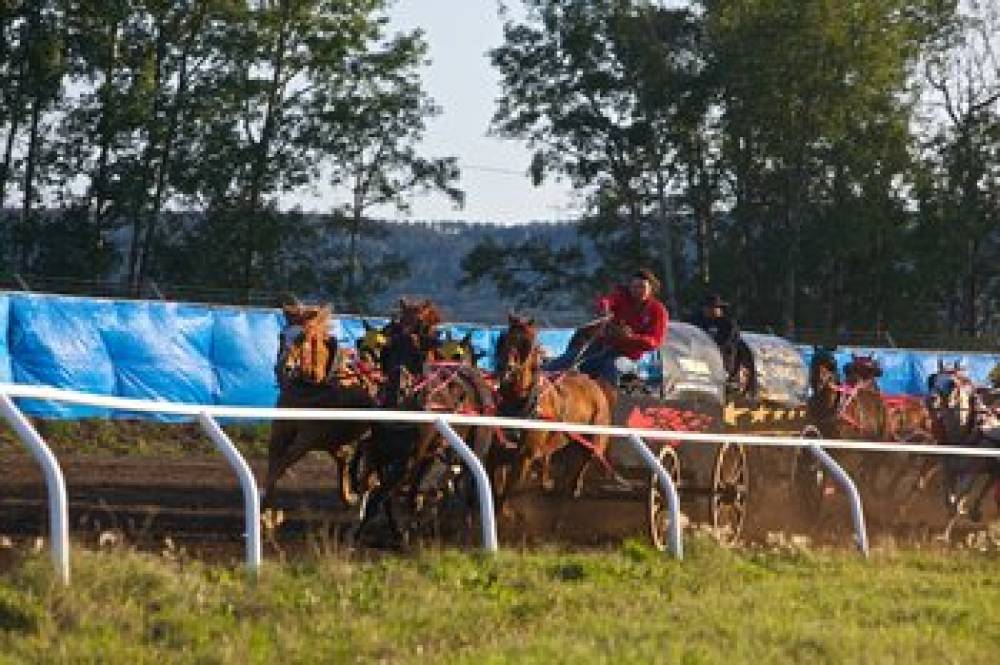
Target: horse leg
282	453
988	480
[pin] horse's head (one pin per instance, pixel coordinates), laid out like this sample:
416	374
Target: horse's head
417	316
306	348
862	370
518	355
411	342
951	402
823	371
994	376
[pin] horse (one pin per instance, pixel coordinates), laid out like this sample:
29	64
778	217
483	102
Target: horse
525	391
856	409
423	373
960	418
312	373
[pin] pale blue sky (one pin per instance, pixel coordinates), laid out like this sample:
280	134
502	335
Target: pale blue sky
462	82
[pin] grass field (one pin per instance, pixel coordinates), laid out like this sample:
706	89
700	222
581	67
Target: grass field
627	605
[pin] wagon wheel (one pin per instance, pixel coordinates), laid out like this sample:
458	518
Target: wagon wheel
730	492
657	514
808	477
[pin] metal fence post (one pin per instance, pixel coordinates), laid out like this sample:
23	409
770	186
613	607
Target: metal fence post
857	511
251	500
483	487
673	502
55	484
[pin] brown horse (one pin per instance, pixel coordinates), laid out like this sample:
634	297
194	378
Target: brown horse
525	391
312	374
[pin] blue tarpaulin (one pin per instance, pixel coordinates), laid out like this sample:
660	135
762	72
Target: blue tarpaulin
225	355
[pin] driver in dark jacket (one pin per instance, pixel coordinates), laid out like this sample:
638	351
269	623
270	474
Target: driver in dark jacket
713	317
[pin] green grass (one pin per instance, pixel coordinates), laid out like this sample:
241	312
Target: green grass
629	605
138	438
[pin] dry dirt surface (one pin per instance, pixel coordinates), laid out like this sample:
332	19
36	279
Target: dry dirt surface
196	501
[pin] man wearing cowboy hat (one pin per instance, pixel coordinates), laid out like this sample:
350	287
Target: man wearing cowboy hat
633	322
714	319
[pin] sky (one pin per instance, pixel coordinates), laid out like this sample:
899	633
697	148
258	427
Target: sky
461	81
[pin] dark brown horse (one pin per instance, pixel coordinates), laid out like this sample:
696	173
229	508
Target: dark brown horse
961	418
853	410
413	462
524	390
312	374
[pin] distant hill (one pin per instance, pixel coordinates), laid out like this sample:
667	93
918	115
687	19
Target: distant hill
434	251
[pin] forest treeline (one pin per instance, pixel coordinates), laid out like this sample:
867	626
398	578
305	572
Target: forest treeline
824	164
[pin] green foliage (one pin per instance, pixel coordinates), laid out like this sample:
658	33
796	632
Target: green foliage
527	274
773	149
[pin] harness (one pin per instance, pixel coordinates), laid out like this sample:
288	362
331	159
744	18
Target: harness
530	408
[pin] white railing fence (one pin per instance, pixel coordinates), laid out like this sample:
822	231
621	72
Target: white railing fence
206	415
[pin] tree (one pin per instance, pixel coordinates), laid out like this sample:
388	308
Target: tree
252	137
801	81
960	188
613	96
379	111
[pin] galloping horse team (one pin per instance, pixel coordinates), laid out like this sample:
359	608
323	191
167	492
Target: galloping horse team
954	412
406	365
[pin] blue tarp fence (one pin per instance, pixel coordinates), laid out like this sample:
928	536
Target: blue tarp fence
203	354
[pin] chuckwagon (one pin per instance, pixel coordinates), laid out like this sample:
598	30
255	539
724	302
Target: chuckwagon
685	387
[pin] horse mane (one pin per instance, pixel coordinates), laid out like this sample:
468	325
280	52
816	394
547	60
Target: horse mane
311	349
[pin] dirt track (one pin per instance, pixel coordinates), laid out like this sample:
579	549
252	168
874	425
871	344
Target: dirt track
197	501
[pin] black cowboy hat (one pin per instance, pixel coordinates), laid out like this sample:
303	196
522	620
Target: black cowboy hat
714	300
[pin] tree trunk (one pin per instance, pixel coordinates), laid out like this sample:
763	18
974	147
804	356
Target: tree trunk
8	159
668	244
30	164
99	188
971	291
263	150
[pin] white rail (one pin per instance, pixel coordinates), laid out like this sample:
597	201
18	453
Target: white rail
485	492
55	485
811	433
673	502
265	413
251	498
206	414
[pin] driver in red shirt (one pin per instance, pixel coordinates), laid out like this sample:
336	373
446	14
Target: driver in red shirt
633	322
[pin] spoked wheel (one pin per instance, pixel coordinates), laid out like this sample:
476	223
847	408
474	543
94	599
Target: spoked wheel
730	492
808	477
657	513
